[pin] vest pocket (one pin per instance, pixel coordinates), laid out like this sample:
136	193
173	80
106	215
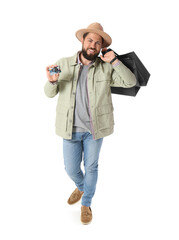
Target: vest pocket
61	117
102	86
105	118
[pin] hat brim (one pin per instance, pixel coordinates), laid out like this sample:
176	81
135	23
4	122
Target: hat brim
107	39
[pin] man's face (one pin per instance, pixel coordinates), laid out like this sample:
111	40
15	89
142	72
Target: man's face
91	46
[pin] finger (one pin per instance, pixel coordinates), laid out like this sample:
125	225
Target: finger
47	68
50	66
104	49
48	72
101	56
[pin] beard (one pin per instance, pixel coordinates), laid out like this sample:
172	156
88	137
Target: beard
91	56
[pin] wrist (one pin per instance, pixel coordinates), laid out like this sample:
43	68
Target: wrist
114	60
53	82
116	63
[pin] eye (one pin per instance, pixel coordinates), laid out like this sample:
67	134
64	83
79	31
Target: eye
98	43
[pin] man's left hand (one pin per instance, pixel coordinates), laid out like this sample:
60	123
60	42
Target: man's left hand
109	56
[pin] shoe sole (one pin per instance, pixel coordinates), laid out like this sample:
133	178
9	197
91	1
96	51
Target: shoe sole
86	223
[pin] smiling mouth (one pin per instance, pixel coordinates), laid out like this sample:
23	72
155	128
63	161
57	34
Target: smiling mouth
92	50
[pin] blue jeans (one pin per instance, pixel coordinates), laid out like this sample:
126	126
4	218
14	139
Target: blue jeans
82	146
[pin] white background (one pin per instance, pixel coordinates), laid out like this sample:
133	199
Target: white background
137	193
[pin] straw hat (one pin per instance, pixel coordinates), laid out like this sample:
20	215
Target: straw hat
95	28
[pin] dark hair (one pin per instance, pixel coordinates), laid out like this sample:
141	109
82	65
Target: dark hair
85	34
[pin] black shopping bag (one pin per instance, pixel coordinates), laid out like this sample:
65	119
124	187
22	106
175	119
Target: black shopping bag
142	75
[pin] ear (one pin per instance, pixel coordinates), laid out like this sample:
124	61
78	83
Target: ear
82	40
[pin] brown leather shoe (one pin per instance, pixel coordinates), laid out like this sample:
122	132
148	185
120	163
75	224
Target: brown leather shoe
75	196
86	215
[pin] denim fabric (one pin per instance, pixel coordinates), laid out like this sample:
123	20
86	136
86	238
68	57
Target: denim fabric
82	147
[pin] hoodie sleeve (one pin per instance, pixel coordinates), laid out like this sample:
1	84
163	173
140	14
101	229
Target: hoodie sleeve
122	76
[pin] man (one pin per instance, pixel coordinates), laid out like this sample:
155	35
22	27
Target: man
84	113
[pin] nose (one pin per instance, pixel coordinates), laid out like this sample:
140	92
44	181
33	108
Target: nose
93	45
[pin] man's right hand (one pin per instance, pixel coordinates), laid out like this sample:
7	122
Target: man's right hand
54	77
